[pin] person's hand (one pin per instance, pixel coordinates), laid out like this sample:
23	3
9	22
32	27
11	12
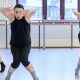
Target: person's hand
77	14
26	12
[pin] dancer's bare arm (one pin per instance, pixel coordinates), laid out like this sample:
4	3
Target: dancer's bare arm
29	13
8	12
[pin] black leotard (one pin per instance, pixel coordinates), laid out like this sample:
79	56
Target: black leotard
20	33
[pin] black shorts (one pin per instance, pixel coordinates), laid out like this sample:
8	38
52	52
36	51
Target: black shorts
20	55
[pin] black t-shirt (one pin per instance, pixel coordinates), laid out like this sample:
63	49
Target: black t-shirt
20	33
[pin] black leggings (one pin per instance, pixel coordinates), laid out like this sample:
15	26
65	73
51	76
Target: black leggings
20	54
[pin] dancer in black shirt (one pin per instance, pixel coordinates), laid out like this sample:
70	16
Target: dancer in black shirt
20	38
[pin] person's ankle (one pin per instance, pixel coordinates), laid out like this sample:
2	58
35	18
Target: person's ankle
36	78
6	78
78	67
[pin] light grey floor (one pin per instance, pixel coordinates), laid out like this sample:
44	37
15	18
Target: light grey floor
50	64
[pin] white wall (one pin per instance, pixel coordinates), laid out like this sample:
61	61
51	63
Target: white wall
60	35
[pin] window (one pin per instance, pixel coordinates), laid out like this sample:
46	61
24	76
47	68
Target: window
33	3
70	7
53	9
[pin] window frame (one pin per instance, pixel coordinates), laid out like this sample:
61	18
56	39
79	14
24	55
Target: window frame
62	8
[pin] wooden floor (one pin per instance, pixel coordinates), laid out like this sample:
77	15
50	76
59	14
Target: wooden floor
50	64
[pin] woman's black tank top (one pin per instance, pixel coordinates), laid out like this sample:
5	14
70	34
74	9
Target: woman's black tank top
20	33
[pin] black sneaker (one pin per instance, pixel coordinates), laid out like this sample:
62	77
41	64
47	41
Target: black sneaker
2	67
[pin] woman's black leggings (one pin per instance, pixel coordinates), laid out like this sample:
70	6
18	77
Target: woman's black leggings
20	54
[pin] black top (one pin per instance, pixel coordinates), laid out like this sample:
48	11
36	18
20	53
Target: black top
20	33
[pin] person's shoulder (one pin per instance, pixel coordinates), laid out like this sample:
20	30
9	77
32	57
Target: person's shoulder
12	18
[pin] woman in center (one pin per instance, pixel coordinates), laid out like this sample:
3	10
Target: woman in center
20	38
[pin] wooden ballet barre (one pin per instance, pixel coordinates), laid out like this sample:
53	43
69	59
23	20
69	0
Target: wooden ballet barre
34	22
4	24
54	21
50	20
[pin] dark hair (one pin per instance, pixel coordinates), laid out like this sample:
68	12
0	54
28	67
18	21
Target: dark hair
18	6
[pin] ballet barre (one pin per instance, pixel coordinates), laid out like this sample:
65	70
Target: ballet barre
46	22
71	22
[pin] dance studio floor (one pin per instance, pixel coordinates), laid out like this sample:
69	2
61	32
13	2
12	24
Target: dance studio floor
50	64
